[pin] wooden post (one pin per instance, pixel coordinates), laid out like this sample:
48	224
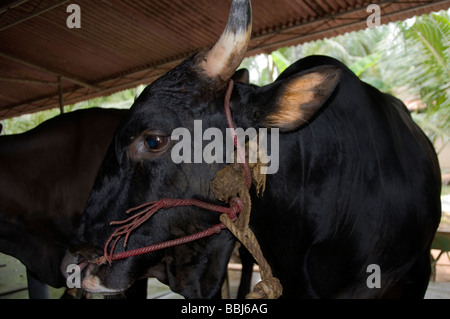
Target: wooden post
60	95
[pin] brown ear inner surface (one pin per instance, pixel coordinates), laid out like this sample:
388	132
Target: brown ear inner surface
301	98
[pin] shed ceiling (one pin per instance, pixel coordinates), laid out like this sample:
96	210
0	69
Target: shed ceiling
124	43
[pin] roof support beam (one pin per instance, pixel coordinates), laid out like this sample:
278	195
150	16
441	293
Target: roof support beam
67	77
26	81
12	5
33	14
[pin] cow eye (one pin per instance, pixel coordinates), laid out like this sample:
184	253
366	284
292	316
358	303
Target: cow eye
157	143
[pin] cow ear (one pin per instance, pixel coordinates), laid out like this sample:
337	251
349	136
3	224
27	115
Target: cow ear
242	76
294	100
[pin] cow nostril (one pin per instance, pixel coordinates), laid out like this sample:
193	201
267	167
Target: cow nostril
80	261
83	264
68	261
78	258
81	257
86	254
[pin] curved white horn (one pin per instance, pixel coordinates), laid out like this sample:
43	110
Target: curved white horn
227	54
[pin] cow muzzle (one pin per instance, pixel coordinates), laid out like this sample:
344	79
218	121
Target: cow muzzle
81	273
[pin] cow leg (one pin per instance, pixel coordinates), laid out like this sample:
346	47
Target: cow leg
225	291
138	290
247	272
36	289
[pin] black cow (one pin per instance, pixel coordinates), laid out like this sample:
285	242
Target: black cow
45	178
358	182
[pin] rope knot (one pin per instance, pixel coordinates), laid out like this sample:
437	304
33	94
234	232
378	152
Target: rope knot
166	203
236	206
217	229
269	288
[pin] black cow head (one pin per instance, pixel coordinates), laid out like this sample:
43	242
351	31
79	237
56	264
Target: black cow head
139	167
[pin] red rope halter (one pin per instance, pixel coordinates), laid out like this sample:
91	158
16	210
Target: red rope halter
149	209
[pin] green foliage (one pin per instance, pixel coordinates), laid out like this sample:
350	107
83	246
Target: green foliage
365	63
430	34
26	122
280	61
427	71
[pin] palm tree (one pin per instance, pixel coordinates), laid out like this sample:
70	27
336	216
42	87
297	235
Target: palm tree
427	51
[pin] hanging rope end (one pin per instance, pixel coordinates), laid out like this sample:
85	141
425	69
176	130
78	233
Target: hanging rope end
269	288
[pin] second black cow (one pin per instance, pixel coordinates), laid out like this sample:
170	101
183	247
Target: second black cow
45	178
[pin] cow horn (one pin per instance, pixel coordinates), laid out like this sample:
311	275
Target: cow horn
222	60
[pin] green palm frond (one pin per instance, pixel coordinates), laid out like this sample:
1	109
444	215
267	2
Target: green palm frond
365	63
429	36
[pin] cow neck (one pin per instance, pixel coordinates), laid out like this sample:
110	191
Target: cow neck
235	218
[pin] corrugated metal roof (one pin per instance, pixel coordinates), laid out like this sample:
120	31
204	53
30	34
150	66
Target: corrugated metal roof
123	43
